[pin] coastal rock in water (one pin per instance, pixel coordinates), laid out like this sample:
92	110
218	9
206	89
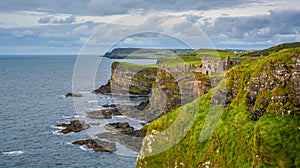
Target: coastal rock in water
104	89
119	127
74	126
109	106
73	95
132	140
129	80
97	145
103	114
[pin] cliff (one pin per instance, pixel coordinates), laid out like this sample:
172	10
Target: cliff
129	79
165	91
274	49
136	53
258	127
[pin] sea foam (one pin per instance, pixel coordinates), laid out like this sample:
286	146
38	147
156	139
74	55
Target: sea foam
13	153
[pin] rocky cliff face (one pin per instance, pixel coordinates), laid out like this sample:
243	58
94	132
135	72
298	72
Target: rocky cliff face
265	91
273	87
129	79
166	91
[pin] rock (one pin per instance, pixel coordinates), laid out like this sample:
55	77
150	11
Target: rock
103	114
131	140
143	105
120	127
97	145
73	95
275	90
104	89
95	123
127	81
74	126
109	106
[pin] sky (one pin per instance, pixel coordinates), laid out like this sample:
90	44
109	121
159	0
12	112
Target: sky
96	26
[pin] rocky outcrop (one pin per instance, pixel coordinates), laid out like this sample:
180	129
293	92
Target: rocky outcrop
132	140
129	80
273	87
124	134
97	145
173	90
73	95
74	126
123	127
103	114
109	106
104	89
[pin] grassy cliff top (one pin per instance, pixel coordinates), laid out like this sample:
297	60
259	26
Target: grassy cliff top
237	140
274	49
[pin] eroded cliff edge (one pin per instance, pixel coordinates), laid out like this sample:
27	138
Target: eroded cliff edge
129	80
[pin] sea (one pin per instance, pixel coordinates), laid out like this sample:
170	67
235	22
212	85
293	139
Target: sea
32	103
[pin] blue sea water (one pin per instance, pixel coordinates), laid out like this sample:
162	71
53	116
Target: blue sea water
32	103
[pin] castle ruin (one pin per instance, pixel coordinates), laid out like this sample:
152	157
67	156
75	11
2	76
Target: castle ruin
206	68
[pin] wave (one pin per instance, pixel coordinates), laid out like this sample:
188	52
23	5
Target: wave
69	143
92	101
72	116
84	92
57	127
60	96
57	132
13	153
120	116
83	147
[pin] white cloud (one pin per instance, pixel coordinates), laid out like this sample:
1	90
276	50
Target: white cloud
81	30
228	24
44	20
67	20
131	41
23	33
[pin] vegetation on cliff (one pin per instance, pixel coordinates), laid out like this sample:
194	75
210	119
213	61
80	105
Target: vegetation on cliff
127	78
274	49
142	53
259	127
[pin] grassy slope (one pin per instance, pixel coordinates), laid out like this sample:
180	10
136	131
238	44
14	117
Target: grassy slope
147	52
195	57
220	54
272	141
275	49
181	60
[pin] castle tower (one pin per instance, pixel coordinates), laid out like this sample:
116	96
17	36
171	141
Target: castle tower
227	63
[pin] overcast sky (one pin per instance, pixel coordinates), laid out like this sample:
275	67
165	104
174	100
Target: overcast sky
65	26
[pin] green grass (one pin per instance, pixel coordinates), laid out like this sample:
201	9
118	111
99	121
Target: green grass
274	49
217	54
237	141
180	60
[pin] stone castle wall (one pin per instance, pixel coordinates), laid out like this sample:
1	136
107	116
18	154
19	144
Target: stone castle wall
206	68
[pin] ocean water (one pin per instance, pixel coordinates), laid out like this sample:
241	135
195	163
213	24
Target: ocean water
32	103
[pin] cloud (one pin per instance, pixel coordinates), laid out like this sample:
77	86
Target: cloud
44	20
235	23
109	7
81	30
264	26
22	33
132	41
67	20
